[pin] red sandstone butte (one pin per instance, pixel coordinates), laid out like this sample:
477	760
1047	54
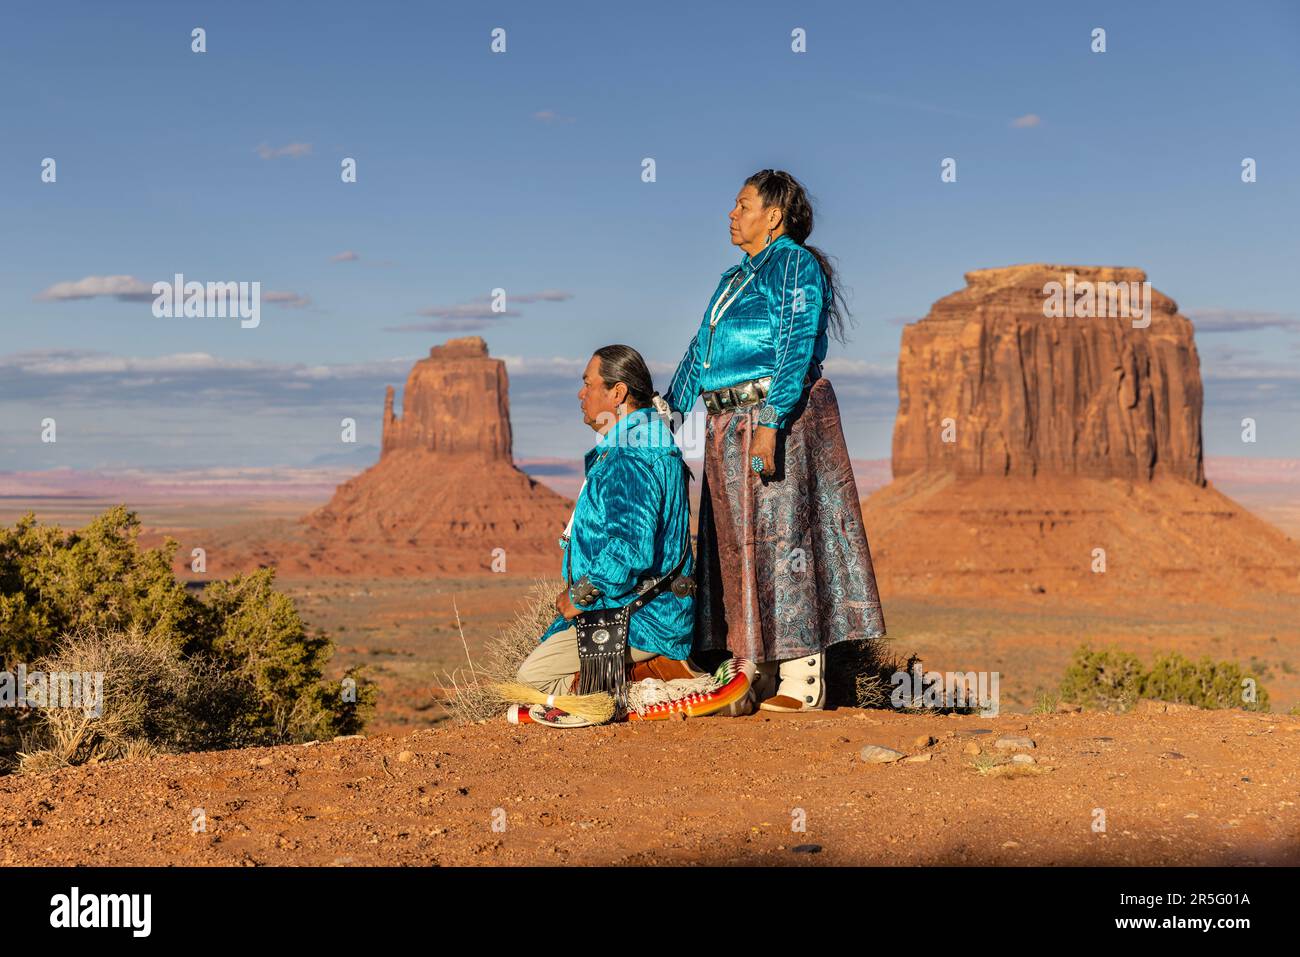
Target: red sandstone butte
445	492
456	403
1030	395
1027	447
444	498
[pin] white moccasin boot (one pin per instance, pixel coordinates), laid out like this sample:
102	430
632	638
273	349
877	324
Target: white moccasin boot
802	686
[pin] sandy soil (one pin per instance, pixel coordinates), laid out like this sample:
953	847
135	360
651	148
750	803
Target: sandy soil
1176	786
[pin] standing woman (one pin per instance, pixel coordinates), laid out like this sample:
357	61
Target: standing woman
784	570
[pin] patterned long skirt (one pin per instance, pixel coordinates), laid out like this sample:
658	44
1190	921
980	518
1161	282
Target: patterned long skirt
783	564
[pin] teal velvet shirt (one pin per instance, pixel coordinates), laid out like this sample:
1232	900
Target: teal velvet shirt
776	326
633	520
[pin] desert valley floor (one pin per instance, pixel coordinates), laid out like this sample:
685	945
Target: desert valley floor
1175	785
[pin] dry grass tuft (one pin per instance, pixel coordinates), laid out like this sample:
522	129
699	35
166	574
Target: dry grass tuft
471	697
144	680
990	766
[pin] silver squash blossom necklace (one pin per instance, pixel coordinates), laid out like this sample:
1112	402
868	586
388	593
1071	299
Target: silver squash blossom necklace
723	303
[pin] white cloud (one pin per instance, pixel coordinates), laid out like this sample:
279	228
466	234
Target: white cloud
858	368
1026	121
1242	368
1240	320
469	310
476	314
480	307
555	365
125	288
130	289
546	295
468	324
75	362
564	367
292	150
291	299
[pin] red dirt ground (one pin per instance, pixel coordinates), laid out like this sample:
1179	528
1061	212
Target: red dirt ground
1176	785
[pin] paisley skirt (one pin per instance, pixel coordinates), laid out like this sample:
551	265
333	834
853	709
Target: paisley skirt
783	564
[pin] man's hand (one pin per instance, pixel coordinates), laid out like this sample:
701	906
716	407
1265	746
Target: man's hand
564	606
763	445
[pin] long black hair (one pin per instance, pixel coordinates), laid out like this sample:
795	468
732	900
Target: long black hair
776	187
620	363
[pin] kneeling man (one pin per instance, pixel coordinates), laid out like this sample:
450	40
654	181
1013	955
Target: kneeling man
629	536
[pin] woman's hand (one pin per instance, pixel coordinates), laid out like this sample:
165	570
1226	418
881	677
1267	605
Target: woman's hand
565	607
763	445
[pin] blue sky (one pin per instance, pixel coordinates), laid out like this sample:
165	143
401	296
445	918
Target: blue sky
522	170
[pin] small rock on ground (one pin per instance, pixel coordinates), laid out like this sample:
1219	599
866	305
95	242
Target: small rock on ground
876	754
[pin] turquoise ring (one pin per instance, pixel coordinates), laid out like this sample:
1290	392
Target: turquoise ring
756	463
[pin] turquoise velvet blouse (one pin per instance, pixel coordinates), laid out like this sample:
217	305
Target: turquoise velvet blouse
632	520
775	326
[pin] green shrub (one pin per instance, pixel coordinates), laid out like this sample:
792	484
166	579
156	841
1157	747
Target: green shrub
54	582
256	633
1103	679
1116	679
244	667
1206	684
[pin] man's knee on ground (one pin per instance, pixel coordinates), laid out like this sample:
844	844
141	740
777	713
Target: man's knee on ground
549	669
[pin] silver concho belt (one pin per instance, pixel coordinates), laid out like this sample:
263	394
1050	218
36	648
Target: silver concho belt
734	396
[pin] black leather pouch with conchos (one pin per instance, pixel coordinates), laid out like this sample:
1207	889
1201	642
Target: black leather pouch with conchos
602	651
